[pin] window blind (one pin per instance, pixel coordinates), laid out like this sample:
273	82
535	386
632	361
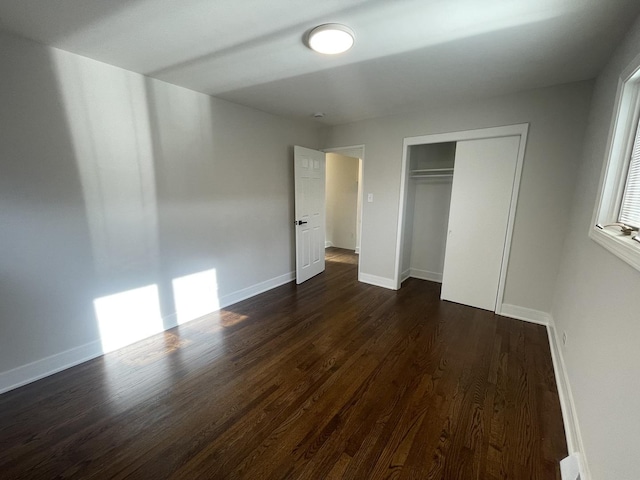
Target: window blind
630	207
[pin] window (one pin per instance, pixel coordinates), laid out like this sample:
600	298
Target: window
630	206
617	215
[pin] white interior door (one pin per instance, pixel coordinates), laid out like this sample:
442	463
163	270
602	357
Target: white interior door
309	174
483	183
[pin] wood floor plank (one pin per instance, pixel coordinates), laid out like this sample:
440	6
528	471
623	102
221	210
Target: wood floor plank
332	378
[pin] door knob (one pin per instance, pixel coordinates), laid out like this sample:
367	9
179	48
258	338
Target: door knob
300	222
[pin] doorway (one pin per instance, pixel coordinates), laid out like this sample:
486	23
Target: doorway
344	172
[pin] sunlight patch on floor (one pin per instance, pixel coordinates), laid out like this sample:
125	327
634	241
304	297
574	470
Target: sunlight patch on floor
152	349
229	319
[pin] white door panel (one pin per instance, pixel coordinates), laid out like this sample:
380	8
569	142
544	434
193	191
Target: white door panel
483	183
309	176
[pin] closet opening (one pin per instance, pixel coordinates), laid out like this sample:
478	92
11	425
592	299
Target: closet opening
428	195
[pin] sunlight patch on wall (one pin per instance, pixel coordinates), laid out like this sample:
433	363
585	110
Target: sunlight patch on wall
196	295
127	317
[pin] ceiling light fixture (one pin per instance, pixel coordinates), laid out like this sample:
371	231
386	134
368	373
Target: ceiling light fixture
331	38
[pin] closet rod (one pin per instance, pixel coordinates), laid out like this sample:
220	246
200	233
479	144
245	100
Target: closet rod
426	175
433	170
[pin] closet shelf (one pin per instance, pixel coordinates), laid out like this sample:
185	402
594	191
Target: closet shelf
432	172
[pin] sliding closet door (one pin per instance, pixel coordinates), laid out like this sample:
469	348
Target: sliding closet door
483	181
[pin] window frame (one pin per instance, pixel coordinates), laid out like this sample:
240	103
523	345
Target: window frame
622	134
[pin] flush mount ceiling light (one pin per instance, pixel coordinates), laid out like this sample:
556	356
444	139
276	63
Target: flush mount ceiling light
331	38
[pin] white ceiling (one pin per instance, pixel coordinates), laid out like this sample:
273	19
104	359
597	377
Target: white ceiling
409	54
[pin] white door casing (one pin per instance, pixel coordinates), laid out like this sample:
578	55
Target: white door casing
309	179
483	184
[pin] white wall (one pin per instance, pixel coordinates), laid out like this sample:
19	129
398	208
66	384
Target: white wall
597	303
557	117
342	199
110	181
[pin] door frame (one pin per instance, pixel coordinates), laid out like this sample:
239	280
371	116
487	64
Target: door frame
355	151
521	130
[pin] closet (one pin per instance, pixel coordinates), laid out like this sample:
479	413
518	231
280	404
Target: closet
459	202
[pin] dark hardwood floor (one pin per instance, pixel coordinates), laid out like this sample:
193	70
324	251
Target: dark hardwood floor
329	379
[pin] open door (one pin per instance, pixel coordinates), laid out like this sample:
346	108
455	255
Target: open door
309	176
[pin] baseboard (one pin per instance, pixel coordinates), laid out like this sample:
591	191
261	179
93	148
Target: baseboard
357	250
525	314
22	375
170	321
377	281
42	368
406	274
256	289
425	275
328	244
567	405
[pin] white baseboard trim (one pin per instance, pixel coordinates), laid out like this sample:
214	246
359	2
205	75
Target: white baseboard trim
39	369
357	250
377	281
567	405
170	321
425	275
525	314
256	289
406	274
328	244
24	374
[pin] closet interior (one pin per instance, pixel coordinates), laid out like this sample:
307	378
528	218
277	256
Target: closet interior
428	197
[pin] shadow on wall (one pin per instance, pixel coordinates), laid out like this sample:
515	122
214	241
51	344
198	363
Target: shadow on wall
152	184
112	228
46	262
